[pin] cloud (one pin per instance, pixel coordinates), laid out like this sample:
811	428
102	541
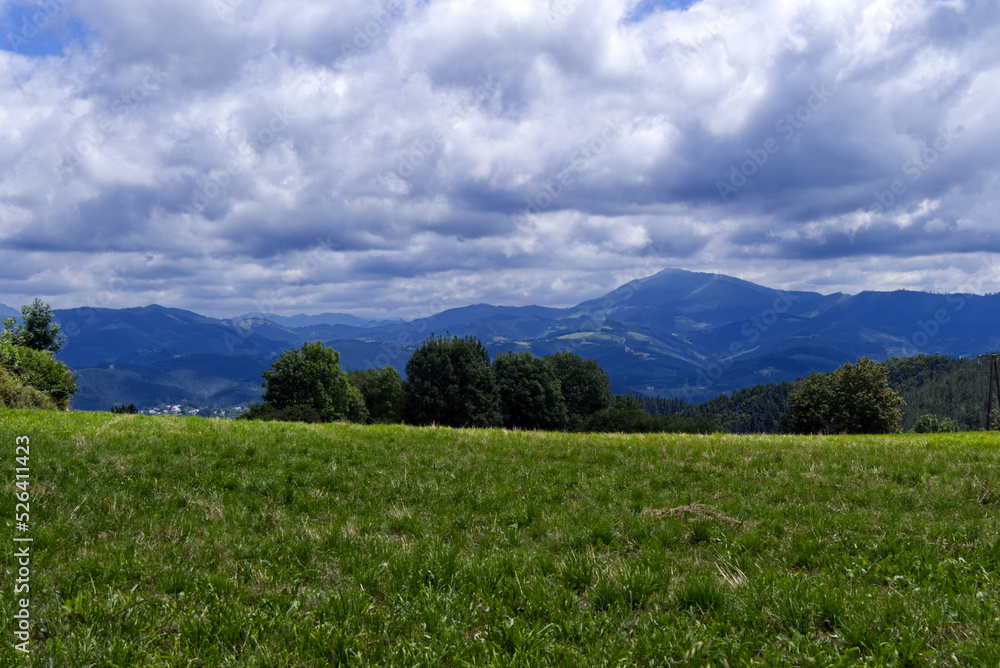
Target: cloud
366	156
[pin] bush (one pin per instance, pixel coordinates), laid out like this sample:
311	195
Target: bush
125	410
40	370
15	394
930	424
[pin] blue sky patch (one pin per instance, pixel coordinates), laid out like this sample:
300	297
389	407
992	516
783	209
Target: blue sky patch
647	7
39	29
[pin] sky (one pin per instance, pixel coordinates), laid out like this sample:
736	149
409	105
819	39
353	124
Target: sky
392	158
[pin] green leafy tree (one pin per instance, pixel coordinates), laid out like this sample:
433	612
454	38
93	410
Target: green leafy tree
809	409
38	332
450	381
854	399
585	386
530	393
865	404
308	385
40	370
383	392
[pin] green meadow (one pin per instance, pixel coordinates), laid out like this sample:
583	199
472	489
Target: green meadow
195	542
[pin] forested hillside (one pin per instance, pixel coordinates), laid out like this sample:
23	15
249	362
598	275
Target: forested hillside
929	384
941	386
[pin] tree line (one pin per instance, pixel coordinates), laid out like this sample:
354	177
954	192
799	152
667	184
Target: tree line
450	381
939	394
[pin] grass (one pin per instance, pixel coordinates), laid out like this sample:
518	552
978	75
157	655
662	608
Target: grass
193	542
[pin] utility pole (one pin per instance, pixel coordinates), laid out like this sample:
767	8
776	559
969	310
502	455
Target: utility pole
994	384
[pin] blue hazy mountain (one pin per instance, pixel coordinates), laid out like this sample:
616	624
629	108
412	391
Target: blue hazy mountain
302	320
676	333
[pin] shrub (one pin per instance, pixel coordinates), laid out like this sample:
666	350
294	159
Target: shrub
40	370
930	424
15	394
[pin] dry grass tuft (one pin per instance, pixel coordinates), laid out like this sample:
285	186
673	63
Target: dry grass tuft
697	511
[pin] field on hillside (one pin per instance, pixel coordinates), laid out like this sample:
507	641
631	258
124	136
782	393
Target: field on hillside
186	541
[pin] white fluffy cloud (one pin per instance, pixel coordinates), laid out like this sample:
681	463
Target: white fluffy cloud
381	156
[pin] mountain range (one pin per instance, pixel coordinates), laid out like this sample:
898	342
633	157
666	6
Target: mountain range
674	334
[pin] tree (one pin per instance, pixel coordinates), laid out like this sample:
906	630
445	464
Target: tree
854	399
308	385
38	332
530	393
809	409
383	392
450	381
585	386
